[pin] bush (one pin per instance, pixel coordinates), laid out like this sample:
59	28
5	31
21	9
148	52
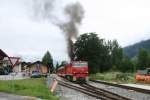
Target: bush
115	77
2	71
122	77
5	70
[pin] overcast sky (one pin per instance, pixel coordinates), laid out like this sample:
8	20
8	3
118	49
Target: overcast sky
21	34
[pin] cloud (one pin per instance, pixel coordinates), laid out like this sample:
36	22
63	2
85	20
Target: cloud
128	21
118	19
20	35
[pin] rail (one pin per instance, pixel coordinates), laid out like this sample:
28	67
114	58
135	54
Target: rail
93	91
123	86
106	93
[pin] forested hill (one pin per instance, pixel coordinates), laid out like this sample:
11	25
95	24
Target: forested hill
132	50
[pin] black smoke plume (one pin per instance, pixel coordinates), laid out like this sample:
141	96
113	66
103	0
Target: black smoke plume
74	14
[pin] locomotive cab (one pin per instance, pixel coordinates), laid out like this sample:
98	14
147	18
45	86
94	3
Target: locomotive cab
80	70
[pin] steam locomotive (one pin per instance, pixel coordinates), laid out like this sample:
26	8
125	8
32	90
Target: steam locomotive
74	71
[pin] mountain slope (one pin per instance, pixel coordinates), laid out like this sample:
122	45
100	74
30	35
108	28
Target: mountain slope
132	50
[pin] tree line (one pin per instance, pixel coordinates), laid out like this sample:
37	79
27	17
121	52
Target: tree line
105	55
101	55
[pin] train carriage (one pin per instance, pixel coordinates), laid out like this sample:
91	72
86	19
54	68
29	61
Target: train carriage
74	71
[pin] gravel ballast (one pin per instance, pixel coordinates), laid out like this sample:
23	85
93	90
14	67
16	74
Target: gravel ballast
65	93
123	92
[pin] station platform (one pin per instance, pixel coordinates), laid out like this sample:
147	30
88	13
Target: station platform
147	87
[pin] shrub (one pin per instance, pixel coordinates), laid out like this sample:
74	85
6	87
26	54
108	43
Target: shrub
122	77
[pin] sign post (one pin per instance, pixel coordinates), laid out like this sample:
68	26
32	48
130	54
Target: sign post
54	84
13	61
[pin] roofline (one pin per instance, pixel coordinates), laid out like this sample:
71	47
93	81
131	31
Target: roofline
4	53
39	62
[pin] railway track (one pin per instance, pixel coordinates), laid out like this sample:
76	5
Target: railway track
108	94
123	86
93	91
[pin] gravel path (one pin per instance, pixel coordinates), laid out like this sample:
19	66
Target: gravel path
123	92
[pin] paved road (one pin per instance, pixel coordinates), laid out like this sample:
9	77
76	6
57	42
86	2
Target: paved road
5	96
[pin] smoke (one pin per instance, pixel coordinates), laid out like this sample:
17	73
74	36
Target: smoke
43	9
73	14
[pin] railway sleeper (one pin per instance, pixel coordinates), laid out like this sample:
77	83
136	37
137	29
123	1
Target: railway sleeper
105	93
85	91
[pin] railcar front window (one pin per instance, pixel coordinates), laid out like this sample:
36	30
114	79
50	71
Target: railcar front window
80	64
148	71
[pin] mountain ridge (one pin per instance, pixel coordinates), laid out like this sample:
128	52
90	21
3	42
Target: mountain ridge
132	50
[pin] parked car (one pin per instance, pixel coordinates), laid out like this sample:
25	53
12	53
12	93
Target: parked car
36	74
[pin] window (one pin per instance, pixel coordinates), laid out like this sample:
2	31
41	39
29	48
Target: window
80	64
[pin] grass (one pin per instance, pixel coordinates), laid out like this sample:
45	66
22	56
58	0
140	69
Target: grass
115	77
28	87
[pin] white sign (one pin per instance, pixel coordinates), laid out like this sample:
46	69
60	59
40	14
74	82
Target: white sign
14	60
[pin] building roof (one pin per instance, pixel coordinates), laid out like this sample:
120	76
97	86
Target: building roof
2	54
37	62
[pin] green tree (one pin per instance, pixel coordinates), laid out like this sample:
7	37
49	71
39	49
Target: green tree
126	65
48	61
148	60
57	66
89	47
116	54
143	59
134	62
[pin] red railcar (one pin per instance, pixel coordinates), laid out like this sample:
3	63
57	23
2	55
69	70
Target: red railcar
76	70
